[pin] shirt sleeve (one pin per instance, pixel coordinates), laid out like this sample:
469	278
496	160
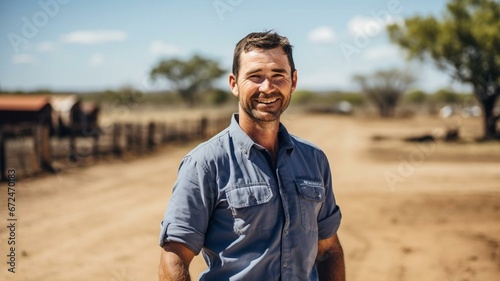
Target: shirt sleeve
188	212
329	216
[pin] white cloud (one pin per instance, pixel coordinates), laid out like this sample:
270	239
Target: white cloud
322	35
370	26
96	59
45	47
158	47
383	52
94	36
23	58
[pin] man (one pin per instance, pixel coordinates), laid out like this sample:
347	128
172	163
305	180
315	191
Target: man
255	200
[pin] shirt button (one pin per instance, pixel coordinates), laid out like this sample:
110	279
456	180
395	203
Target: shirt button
285	264
286	232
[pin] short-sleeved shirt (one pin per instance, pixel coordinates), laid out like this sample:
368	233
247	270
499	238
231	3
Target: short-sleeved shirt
251	218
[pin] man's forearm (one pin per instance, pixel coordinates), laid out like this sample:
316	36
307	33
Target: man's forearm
173	269
332	267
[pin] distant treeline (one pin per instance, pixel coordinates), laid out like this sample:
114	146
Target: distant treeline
128	95
217	97
440	97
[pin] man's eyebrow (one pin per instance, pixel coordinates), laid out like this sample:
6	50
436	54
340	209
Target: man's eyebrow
257	70
253	71
279	70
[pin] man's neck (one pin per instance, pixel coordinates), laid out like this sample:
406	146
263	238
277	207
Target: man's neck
262	133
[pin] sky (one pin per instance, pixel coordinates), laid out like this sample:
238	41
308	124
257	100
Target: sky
76	45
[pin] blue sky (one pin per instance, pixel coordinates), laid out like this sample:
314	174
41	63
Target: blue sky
76	45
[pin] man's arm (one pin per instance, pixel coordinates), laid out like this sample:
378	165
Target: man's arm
174	262
330	260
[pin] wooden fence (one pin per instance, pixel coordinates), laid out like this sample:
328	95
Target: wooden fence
29	149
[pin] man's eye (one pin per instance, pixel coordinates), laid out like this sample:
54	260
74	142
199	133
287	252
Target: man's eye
254	77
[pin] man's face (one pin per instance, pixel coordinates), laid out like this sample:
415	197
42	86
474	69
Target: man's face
264	85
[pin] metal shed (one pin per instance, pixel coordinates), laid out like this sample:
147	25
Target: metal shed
26	115
16	109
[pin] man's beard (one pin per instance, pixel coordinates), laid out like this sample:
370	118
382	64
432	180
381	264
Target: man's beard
260	115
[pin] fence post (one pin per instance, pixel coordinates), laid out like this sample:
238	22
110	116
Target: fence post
174	132
151	136
41	139
138	138
95	148
46	149
163	132
129	134
116	148
203	127
187	130
72	144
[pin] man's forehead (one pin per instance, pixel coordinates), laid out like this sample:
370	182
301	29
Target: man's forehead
270	55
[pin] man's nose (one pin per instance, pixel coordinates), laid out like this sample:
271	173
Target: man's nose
266	86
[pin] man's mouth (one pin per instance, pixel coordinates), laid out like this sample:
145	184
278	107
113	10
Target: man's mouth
267	101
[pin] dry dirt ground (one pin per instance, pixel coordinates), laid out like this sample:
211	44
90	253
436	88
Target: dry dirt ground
411	211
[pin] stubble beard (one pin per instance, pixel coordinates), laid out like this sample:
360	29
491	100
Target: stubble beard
259	115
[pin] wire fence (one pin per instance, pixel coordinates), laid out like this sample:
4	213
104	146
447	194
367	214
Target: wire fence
30	149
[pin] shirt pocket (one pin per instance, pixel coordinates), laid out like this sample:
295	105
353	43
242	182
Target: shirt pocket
311	198
251	207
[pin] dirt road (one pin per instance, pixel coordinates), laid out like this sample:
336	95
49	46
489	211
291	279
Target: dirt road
411	212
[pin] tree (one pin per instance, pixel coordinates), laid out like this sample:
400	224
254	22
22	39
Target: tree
464	43
385	88
188	77
218	97
446	96
416	97
303	97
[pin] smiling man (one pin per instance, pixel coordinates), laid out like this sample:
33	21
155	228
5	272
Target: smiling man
255	200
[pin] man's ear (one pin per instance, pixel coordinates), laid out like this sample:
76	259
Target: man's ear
294	80
233	85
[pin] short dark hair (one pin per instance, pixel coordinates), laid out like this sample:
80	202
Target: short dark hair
262	40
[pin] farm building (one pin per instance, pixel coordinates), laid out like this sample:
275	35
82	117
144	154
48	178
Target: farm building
70	114
16	109
86	120
61	113
26	116
39	118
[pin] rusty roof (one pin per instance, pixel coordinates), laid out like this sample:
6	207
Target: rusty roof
22	103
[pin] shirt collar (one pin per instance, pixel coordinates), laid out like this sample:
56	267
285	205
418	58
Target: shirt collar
245	143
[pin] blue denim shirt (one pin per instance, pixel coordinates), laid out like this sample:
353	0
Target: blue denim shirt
251	219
